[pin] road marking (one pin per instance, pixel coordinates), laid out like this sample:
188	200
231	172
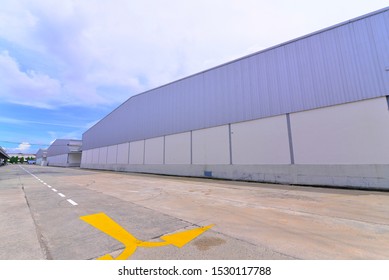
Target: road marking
104	223
72	202
54	190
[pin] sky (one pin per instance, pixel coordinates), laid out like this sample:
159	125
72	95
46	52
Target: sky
64	65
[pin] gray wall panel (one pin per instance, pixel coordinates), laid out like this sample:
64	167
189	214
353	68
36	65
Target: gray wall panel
341	64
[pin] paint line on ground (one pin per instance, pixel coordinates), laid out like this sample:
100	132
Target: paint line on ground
72	202
54	190
104	223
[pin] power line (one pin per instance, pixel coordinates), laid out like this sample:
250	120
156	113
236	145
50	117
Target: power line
24	143
31	144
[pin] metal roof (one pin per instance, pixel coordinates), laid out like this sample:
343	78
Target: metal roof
64	146
344	63
41	153
3	154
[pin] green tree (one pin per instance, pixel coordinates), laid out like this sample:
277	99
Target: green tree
21	160
13	159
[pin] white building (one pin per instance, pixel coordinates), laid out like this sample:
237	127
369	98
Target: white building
41	157
64	152
310	111
3	156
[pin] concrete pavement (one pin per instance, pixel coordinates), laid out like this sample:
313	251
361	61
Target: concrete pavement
18	236
252	220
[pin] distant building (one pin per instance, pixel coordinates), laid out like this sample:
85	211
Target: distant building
3	156
64	152
41	157
310	111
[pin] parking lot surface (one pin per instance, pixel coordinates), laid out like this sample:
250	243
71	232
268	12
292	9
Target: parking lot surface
43	214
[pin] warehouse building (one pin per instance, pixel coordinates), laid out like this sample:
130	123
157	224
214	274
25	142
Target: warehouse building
41	157
64	152
3	156
312	111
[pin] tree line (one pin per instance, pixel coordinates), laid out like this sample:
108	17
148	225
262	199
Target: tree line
15	159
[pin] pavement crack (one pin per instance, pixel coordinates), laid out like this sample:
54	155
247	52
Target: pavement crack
41	238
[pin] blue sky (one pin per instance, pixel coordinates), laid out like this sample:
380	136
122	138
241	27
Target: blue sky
64	65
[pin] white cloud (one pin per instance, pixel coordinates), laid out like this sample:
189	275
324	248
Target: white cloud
23	147
105	51
28	88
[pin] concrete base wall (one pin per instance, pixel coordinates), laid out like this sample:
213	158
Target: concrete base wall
354	176
41	162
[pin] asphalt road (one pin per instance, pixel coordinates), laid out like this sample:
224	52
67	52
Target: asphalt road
40	210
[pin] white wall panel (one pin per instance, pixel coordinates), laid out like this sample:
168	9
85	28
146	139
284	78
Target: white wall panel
263	141
84	155
154	151
123	150
95	155
112	154
137	152
353	133
103	153
211	145
58	159
177	148
74	158
89	156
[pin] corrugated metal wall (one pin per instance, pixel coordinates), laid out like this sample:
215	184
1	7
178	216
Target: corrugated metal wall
338	65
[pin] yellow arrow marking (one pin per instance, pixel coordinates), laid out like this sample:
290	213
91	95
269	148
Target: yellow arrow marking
179	239
104	223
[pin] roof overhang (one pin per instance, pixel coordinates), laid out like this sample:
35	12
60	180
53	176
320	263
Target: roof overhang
3	154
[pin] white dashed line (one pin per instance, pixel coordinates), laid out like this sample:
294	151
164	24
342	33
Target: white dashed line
72	202
54	190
